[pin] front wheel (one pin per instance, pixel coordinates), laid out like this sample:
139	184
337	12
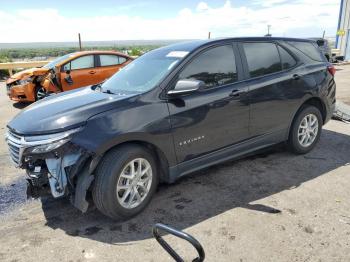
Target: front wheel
306	130
126	180
40	93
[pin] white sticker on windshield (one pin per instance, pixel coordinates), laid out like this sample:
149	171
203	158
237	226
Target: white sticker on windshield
178	54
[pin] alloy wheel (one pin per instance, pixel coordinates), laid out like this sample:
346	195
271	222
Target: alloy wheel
134	183
40	93
308	129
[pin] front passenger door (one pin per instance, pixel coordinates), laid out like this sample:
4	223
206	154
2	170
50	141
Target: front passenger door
213	118
78	72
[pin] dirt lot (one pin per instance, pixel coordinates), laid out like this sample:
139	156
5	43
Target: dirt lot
274	206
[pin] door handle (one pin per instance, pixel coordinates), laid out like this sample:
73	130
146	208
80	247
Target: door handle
296	77
92	72
236	93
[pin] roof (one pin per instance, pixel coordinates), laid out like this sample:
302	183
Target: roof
81	53
191	45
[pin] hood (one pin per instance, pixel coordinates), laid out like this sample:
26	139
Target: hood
27	73
63	111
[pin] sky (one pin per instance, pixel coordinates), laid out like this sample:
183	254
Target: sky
100	20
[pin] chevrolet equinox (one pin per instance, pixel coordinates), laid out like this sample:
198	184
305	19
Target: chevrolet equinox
170	112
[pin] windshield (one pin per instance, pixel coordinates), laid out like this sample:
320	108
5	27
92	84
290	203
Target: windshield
56	61
144	73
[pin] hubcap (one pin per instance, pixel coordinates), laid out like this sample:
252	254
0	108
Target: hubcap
308	130
41	93
134	183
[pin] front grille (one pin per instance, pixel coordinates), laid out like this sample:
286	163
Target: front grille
15	144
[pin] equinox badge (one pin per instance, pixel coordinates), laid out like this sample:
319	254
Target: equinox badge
191	140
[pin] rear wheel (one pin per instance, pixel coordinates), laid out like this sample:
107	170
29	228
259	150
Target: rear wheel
306	130
125	182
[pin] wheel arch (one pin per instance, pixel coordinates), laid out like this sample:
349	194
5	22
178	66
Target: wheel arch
160	158
313	101
318	103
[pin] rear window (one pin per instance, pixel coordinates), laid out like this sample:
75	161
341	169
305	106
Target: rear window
109	60
309	49
262	58
287	60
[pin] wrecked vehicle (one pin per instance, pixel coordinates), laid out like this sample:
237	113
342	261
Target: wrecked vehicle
65	73
173	111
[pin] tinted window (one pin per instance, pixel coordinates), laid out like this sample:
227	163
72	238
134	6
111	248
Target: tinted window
262	58
287	60
107	60
309	49
214	67
80	63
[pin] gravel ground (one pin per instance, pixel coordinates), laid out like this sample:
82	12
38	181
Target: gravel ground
273	206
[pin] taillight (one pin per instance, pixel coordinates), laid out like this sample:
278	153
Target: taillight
331	69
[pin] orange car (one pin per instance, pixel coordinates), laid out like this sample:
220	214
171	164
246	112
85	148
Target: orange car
65	73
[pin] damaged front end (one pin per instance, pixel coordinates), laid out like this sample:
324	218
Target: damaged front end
52	164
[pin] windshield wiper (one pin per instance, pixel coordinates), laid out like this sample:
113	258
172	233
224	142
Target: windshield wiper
98	87
107	91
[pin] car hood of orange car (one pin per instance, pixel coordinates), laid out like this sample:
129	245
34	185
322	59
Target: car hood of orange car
27	73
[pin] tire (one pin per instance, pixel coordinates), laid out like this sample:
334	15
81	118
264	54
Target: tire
40	93
108	178
297	142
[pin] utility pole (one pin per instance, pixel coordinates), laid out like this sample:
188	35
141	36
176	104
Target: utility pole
79	41
324	33
209	35
268	30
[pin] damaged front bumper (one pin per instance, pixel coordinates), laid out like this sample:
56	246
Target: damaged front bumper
54	165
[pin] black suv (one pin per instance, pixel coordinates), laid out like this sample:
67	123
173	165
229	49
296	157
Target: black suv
174	110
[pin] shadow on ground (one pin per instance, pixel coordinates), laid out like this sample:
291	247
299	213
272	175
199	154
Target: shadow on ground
208	193
12	195
21	105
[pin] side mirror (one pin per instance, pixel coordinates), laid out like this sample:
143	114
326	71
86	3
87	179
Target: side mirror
68	78
186	86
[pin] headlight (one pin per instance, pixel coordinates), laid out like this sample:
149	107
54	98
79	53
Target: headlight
47	147
46	143
25	81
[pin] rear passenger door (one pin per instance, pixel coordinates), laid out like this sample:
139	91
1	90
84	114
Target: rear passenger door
273	87
108	65
213	118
